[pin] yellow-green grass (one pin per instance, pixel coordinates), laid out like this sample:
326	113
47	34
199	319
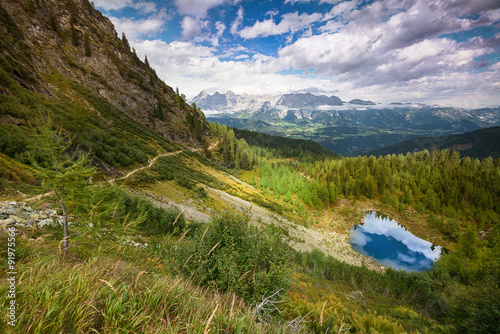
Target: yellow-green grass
106	293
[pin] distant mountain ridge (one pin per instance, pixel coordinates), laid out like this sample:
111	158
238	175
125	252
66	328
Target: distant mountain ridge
231	102
478	144
343	127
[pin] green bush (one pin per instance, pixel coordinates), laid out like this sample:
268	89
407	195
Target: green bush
229	255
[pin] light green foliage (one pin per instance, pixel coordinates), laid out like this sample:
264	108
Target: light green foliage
229	255
235	153
60	172
108	293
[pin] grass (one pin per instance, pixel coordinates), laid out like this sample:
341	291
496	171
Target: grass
105	293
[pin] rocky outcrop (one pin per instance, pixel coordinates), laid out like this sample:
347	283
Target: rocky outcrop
20	214
54	47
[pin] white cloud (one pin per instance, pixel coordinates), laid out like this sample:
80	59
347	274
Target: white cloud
199	8
237	21
192	27
113	4
388	48
290	22
220	27
134	28
144	7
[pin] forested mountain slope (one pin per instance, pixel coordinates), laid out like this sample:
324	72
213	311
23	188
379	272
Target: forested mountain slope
267	249
478	144
64	61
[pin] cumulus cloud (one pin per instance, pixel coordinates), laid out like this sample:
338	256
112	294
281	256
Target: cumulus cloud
135	28
376	51
143	6
290	22
220	27
199	8
113	4
393	47
192	27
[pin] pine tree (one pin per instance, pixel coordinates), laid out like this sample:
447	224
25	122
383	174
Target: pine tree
74	34
86	44
125	42
61	173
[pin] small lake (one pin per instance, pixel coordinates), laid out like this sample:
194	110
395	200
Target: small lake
390	245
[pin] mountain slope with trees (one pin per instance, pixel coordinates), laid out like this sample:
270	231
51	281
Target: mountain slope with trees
78	109
478	144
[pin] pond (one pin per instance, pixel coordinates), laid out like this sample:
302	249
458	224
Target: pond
390	245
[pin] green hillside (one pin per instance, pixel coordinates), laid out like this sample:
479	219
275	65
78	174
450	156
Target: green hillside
478	144
123	210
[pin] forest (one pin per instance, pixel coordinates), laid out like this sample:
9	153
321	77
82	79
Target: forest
460	197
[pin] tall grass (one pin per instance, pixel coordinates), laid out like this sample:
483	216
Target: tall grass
104	294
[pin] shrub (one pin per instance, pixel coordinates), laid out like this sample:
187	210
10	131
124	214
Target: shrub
229	255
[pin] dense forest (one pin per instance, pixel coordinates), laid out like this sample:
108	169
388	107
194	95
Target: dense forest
461	189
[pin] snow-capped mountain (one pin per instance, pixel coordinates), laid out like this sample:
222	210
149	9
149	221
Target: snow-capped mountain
231	102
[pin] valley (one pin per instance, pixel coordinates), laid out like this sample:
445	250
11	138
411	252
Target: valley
125	208
343	127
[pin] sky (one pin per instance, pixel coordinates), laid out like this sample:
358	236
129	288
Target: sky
444	52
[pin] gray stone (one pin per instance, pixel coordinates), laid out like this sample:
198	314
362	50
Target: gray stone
45	222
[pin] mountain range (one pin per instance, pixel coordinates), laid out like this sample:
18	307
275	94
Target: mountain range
344	127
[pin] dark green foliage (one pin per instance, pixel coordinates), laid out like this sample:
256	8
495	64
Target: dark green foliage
234	153
281	147
53	22
202	193
74	34
144	177
229	255
158	110
86	44
442	183
416	288
476	310
126	44
174	167
478	144
185	181
12	141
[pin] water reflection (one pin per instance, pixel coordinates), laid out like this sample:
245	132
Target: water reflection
391	245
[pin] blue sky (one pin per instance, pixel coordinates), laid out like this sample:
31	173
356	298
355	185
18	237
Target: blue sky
433	51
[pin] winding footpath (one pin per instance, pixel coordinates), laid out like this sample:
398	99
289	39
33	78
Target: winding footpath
152	161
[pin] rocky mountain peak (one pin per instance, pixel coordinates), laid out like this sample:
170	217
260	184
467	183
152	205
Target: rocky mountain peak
51	47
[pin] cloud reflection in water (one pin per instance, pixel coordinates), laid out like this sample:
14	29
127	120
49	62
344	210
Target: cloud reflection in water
391	245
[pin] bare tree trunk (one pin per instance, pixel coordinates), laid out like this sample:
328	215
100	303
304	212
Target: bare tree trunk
65	224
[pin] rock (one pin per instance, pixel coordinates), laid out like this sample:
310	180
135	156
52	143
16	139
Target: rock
357	295
45	222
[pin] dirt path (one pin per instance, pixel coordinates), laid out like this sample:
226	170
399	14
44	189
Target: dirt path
152	161
300	237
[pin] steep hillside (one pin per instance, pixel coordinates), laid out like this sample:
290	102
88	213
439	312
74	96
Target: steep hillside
64	61
479	144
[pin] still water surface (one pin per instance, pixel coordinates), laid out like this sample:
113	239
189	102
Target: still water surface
391	245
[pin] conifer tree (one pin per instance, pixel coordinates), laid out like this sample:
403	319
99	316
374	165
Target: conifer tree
74	34
86	44
125	42
62	173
